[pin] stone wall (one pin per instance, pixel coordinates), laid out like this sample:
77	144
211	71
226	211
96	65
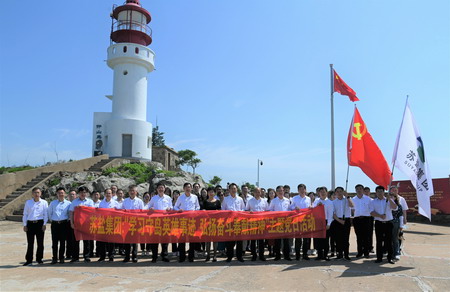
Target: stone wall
166	156
11	181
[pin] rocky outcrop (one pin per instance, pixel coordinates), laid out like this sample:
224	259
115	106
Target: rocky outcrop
99	182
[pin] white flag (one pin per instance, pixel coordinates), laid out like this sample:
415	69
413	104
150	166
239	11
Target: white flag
409	157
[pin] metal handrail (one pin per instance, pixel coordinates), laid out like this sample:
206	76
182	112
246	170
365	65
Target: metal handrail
131	25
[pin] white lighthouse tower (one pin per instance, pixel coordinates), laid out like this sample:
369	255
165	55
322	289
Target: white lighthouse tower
125	131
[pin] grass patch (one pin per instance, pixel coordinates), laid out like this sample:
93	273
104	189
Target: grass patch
4	169
168	173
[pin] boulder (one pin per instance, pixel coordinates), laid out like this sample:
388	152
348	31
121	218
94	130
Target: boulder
142	188
104	182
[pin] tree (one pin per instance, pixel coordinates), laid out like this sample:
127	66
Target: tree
250	186
157	137
215	180
188	157
194	163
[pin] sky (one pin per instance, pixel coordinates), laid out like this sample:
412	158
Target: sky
235	81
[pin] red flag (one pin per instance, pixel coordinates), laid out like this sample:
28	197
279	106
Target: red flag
342	87
362	151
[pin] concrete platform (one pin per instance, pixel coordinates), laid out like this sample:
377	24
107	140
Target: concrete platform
425	266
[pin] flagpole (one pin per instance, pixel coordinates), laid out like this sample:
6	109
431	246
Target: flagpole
396	146
346	180
332	127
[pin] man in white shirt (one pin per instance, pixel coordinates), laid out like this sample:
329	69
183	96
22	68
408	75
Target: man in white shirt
160	202
114	189
233	203
80	201
35	217
95	197
70	235
362	222
371	224
298	202
120	195
106	247
132	203
323	244
58	213
187	202
281	203
245	195
257	204
382	208
341	224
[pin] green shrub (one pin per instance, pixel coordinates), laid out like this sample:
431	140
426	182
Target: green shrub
54	181
138	171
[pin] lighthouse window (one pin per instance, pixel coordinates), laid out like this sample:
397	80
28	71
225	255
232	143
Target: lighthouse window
125	49
125	72
136	50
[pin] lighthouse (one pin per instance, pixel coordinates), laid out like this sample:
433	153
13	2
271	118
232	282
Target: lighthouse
125	132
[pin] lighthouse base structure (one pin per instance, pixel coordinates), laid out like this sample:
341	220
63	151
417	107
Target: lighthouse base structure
124	138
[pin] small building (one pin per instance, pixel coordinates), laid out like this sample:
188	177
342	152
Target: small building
166	156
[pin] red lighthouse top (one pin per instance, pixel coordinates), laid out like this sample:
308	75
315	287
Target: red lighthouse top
130	24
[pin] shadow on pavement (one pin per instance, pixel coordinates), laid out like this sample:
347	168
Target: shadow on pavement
353	269
423	233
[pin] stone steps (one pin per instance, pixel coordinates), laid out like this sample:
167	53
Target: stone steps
21	191
98	166
17	218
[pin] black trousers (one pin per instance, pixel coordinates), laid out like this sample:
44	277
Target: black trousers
130	247
383	233
35	230
230	249
70	240
342	235
86	249
93	251
286	248
146	246
260	248
304	244
363	233
332	242
59	235
193	246
371	228
323	245
105	248
164	250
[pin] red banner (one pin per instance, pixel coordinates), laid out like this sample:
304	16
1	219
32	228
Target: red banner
144	226
440	201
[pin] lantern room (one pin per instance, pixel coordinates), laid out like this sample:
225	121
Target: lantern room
130	24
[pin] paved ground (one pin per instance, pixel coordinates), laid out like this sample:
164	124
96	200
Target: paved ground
425	266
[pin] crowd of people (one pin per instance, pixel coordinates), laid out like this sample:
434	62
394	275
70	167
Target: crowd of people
385	213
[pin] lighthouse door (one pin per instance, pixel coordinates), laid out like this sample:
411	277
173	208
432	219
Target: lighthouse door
127	145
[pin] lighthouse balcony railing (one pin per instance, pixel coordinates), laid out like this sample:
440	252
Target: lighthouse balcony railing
131	25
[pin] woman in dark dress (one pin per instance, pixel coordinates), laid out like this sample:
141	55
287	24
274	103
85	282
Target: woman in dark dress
211	203
270	242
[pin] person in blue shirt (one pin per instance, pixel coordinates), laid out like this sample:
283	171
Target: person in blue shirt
58	214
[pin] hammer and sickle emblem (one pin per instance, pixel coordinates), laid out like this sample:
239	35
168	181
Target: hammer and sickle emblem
358	135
